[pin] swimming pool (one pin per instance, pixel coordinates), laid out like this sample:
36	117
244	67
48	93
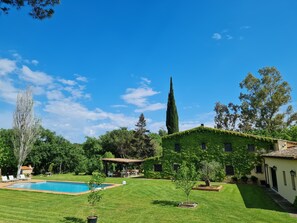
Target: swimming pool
55	186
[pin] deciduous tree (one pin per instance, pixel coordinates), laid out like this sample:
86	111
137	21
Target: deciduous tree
26	127
40	9
186	178
264	104
209	170
118	141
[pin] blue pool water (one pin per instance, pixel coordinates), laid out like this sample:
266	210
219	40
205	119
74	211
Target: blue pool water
66	187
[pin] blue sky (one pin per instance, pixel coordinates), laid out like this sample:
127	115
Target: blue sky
96	67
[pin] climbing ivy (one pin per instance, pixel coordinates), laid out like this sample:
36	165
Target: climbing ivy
205	143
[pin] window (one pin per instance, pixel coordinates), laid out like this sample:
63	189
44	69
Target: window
293	175
203	146
251	147
175	167
285	179
259	169
158	167
177	147
228	147
229	170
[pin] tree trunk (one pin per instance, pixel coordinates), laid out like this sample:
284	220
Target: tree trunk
19	170
207	182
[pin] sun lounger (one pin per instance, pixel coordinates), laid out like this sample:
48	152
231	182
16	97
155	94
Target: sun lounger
11	178
4	179
23	177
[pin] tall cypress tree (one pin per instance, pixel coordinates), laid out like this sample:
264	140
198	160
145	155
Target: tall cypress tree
171	113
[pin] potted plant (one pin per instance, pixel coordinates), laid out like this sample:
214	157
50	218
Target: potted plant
95	195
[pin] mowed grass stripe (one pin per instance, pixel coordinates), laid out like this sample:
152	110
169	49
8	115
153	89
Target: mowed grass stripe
143	200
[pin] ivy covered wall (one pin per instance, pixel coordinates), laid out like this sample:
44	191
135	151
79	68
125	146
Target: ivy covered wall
203	143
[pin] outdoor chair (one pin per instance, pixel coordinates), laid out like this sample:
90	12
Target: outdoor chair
4	179
11	178
23	177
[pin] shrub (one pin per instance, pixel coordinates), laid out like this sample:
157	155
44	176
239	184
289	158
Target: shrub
295	202
234	179
152	174
254	179
244	179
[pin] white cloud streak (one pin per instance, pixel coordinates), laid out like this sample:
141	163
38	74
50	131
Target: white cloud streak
138	96
8	93
151	107
35	77
7	66
81	78
216	36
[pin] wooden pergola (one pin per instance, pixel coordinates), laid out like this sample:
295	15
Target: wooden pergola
121	161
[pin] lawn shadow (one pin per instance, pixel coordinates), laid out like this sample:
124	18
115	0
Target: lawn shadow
73	220
256	197
166	203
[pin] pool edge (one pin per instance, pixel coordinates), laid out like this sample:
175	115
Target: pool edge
5	186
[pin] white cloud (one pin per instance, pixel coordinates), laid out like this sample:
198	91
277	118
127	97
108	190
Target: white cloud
8	93
145	81
216	36
151	107
229	37
73	120
35	62
17	56
119	106
60	102
70	109
37	90
156	126
35	77
54	95
138	96
7	66
77	93
67	82
80	78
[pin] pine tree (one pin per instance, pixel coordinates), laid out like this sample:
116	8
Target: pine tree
143	147
171	113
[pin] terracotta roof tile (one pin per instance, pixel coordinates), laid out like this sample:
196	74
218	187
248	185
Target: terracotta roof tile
26	168
290	153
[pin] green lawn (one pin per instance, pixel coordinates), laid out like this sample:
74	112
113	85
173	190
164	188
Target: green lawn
142	200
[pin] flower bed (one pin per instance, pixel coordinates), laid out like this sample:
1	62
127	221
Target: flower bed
208	188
